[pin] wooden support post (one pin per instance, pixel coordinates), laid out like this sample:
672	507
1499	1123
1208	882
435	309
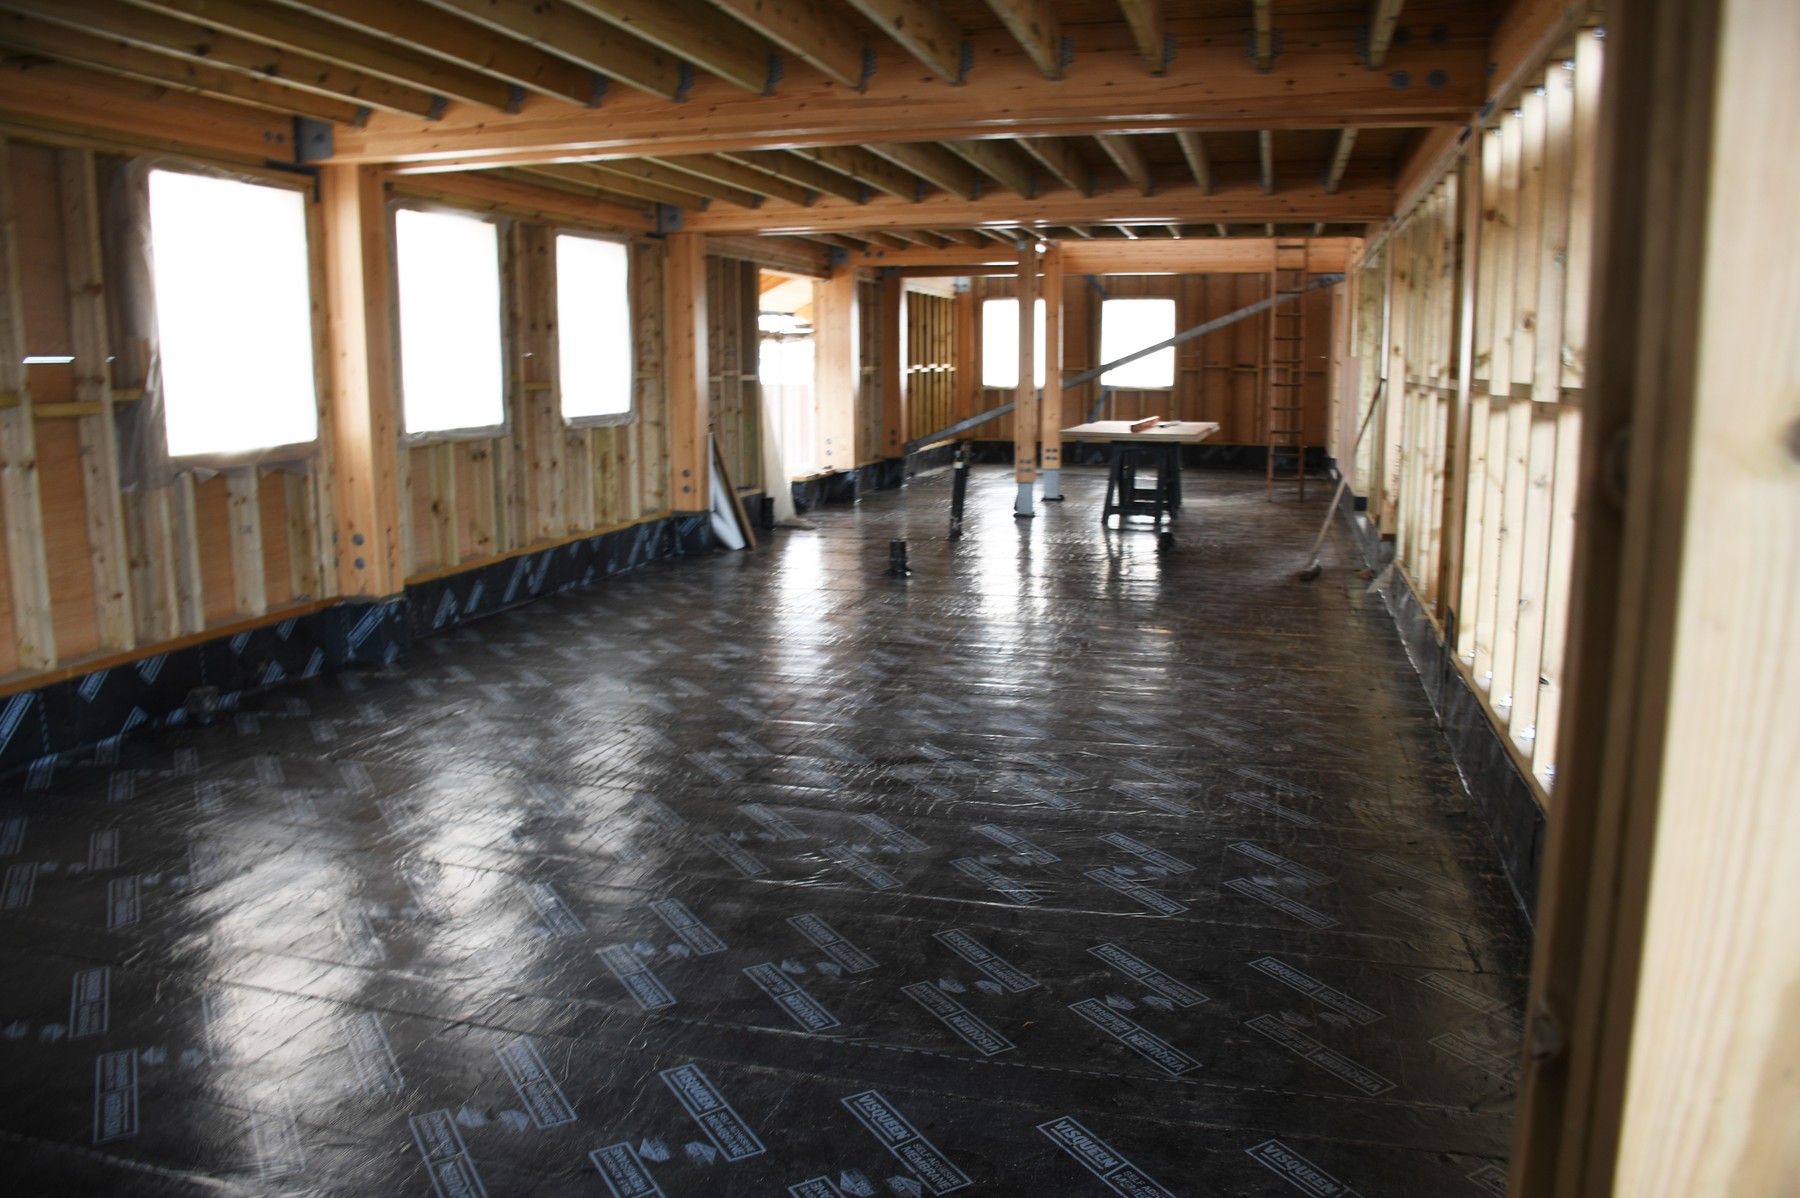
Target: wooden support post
838	346
364	415
243	503
690	419
190	590
968	378
534	312
893	335
1025	411
93	385
34	634
1050	417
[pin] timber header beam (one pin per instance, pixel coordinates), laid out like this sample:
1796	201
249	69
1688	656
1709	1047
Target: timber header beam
1207	88
1232	255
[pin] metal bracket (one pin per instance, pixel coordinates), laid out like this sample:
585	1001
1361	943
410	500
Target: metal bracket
668	218
776	69
868	68
965	62
312	140
836	255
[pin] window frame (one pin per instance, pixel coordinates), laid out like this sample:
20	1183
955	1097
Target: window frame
503	266
307	189
609	419
1175	358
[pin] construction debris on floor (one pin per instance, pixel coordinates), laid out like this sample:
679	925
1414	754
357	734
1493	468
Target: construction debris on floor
1061	867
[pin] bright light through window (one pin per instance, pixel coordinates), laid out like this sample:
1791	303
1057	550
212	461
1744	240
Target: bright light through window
450	359
233	314
1000	343
593	320
1128	325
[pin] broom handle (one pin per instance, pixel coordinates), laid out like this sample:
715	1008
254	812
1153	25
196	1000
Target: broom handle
1344	479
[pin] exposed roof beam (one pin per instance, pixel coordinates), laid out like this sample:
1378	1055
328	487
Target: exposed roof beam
960	236
456	40
1236	203
718	170
1128	158
1058	157
859	164
1004	238
181	39
1194	150
1262	35
923	31
934	164
574	180
328	41
32	36
489	192
1265	151
1001	160
569	33
1382	19
1128	231
919	237
1034	25
603	176
1149	28
1121	255
795	169
695	31
651	172
1320	85
813	31
1080	231
1340	158
892	241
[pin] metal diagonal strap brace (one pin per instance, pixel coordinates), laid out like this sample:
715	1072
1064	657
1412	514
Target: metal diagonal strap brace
1088	376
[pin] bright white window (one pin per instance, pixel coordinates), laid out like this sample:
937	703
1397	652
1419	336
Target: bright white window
1128	325
450	358
1000	343
593	320
233	314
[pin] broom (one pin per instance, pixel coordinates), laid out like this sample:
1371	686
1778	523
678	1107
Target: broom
1313	568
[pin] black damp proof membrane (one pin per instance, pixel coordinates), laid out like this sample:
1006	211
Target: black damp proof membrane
1062	867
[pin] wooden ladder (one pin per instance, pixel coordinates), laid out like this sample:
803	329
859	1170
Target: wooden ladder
1283	415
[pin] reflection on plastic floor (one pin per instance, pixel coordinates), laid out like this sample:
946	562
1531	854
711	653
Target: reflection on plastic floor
1063	867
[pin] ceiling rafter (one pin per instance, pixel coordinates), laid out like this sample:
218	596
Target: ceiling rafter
1128	156
567	32
814	31
328	41
652	172
1262	34
923	32
1199	165
1383	19
932	163
1057	155
571	178
195	43
960	236
864	167
1002	161
1150	30
459	41
732	174
1036	27
32	36
1340	159
795	169
617	182
695	31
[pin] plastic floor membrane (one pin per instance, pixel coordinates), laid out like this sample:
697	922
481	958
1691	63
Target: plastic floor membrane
1065	866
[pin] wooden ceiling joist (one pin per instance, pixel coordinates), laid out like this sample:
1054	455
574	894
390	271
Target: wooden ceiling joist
603	176
459	41
859	164
1194	150
805	172
934	164
695	32
924	32
195	43
1000	160
650	171
960	236
1058	157
1129	158
1340	159
731	174
563	30
1262	34
1265	152
572	180
328	41
21	34
1382	22
814	31
1035	26
1150	29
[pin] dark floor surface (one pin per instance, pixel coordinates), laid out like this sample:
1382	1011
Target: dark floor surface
1063	867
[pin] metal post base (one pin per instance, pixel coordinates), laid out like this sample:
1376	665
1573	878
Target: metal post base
1052	486
1022	505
